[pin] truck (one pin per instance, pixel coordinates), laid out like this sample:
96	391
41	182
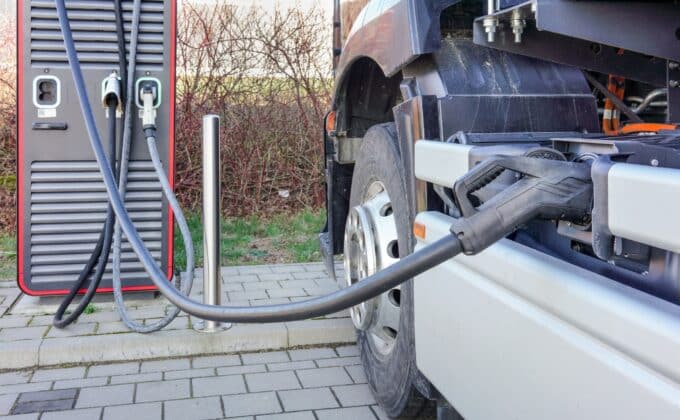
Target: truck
502	177
562	319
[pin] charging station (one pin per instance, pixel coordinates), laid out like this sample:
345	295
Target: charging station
61	199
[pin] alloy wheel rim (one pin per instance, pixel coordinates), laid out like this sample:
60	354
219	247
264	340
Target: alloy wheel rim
371	245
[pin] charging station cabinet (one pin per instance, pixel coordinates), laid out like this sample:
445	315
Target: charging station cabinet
61	199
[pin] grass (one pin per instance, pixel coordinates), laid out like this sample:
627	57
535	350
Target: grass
245	241
8	257
253	240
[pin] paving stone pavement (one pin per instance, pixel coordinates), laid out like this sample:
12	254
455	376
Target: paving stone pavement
27	338
278	385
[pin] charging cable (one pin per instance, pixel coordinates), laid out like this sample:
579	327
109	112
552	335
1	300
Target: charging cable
100	255
556	190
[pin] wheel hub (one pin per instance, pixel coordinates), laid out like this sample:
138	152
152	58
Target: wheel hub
370	246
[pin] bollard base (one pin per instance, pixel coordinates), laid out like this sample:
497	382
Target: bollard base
210	327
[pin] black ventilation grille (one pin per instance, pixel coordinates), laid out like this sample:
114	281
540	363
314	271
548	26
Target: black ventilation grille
68	210
94	31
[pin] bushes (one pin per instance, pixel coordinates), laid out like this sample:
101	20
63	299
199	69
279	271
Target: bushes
7	124
267	76
265	72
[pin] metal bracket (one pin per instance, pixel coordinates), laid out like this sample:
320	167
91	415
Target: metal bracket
586	34
346	149
673	80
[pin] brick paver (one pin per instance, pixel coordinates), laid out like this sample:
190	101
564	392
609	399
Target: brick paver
326	382
272	381
315	378
150	411
163	390
79	414
6	403
26	324
105	396
269	357
251	404
220	385
22	333
269	385
308	399
354	413
354	395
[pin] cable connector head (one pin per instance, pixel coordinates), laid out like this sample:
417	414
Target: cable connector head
546	189
111	90
149	114
148	99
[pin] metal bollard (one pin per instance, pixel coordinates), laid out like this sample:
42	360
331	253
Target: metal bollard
212	278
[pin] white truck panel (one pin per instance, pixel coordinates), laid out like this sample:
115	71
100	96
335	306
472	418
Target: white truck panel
441	163
643	204
512	333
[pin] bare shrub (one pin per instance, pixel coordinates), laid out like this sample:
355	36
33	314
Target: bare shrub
267	74
7	124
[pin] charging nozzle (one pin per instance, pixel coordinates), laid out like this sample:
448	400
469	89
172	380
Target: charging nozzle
148	99
545	189
147	94
111	90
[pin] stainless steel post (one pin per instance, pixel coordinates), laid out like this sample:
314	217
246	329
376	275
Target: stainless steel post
212	278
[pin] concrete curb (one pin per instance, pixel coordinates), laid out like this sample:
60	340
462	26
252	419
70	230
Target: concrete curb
178	343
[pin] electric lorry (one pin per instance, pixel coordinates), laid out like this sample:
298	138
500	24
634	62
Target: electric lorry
562	319
502	177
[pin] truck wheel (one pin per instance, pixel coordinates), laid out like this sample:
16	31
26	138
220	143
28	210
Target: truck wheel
377	233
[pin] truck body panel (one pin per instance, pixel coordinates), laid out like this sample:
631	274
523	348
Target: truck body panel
513	332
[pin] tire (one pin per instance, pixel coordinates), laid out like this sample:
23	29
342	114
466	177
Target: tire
391	377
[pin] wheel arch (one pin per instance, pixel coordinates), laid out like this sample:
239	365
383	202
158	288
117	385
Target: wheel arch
364	97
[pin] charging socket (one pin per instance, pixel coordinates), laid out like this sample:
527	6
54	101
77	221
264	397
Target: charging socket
46	92
148	82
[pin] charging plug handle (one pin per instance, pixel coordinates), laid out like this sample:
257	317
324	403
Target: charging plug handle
546	189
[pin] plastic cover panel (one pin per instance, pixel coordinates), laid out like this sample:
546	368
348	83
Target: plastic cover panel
441	163
94	31
643	204
514	331
68	209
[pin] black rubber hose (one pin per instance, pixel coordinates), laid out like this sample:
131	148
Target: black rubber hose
122	53
99	256
410	266
101	245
